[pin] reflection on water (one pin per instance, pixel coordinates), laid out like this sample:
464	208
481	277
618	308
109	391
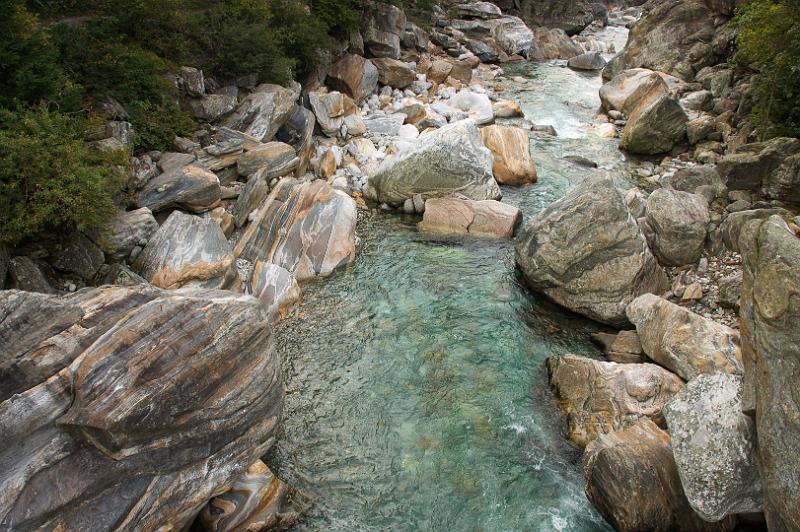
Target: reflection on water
417	397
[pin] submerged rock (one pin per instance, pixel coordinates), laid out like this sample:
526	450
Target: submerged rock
445	161
714	445
770	315
682	341
187	251
306	228
511	150
461	216
601	397
586	252
632	480
257	501
587	61
151	403
276	288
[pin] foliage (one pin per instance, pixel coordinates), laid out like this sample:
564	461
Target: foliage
50	180
769	40
28	68
236	38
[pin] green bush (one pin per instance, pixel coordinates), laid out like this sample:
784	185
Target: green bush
769	40
51	182
236	38
156	124
106	66
29	70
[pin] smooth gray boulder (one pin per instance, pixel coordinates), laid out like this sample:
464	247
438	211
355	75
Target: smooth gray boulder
330	109
682	341
587	61
449	160
714	445
273	159
187	250
264	111
212	107
632	480
679	221
276	288
656	125
770	314
586	252
128	230
190	187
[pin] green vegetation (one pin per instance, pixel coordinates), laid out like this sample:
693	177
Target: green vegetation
60	59
50	180
769	40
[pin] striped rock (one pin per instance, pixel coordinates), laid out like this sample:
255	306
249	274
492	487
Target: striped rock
306	228
143	404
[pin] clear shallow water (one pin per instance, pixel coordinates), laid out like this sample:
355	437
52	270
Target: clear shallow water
417	397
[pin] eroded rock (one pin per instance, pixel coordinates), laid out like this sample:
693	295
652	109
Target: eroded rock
601	397
586	252
449	160
160	401
187	251
306	228
682	341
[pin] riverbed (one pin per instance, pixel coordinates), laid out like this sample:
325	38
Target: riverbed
417	397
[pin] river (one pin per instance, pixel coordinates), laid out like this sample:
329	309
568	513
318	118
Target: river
417	397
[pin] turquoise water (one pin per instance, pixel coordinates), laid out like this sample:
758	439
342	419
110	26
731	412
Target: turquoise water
417	397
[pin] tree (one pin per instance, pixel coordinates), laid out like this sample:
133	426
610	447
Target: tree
769	41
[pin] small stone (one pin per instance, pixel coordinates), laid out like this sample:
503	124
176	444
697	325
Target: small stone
693	292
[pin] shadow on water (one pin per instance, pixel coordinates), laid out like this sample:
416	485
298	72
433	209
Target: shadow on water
417	397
